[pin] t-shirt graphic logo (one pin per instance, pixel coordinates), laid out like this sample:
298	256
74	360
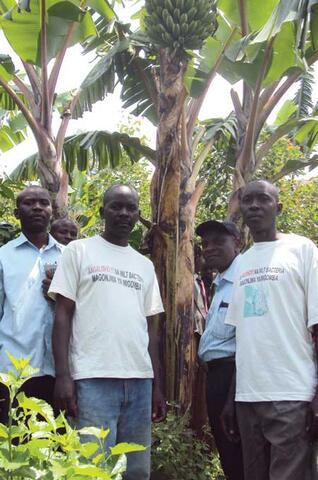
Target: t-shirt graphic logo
255	301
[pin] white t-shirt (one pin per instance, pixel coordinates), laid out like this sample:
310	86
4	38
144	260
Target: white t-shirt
114	289
275	302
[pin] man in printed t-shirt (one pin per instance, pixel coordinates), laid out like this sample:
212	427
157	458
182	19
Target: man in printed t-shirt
275	310
106	295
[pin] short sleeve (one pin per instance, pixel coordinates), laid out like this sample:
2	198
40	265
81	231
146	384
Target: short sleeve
66	277
311	284
153	302
231	315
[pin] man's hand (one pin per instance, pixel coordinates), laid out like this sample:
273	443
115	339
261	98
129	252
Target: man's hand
46	282
159	405
65	395
312	419
229	424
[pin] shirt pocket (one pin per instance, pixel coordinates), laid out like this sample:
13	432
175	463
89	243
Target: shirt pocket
219	328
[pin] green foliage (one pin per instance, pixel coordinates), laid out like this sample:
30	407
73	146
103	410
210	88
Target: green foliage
36	445
59	16
12	129
300	207
303	97
7	232
177	453
299	196
9	225
91	150
214	201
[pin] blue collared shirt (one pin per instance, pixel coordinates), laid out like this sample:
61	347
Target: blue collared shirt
26	317
218	339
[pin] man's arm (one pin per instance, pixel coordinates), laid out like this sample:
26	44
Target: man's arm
159	406
2	292
312	424
228	415
64	392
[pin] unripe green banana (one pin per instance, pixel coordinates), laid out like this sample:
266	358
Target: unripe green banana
180	24
191	13
176	31
184	29
169	23
168	5
176	15
188	4
184	18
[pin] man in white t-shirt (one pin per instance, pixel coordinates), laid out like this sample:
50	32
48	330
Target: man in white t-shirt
275	311
104	342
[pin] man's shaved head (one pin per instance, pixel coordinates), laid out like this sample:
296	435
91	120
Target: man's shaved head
108	193
30	189
34	210
271	188
64	230
260	205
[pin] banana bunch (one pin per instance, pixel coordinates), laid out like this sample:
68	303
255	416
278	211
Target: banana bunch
180	24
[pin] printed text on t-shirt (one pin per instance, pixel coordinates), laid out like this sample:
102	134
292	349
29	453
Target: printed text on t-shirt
261	274
107	273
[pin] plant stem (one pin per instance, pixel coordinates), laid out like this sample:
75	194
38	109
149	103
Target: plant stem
11	397
45	82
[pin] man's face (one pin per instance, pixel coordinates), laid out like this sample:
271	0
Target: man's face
64	231
219	249
259	206
34	210
121	212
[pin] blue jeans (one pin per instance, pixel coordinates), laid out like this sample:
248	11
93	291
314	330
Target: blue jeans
123	406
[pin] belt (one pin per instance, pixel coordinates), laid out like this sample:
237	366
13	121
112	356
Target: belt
220	361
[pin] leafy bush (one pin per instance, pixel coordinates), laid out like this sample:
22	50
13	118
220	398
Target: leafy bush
177	453
36	445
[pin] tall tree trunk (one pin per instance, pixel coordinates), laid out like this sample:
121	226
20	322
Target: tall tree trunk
174	203
52	176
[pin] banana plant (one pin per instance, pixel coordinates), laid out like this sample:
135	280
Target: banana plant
264	43
278	43
165	78
40	32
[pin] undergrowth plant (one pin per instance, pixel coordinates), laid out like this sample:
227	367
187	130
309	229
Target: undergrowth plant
36	445
178	453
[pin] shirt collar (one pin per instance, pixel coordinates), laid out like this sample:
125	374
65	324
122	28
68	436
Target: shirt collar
21	239
228	274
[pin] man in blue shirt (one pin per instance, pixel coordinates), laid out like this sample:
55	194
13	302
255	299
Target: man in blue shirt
220	245
26	316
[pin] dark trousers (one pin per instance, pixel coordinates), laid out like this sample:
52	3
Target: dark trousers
218	383
276	445
39	387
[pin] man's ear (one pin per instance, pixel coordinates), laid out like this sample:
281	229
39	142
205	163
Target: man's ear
238	244
279	208
16	213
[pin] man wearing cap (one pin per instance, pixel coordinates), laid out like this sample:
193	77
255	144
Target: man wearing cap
220	244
